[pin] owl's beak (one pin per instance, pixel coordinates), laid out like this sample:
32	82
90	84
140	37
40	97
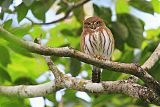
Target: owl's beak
93	26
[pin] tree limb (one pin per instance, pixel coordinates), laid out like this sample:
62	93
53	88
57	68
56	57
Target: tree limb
152	59
68	11
110	87
58	75
28	91
127	87
132	69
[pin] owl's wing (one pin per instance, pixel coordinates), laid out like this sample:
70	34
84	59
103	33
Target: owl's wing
111	37
82	41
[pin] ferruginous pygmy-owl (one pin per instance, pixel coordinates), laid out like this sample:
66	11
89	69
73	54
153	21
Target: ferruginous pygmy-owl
97	41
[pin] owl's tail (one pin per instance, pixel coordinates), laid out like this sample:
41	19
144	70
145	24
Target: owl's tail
96	74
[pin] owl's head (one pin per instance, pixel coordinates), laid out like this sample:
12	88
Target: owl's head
93	22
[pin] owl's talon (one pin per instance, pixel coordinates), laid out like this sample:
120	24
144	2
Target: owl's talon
103	59
95	56
99	57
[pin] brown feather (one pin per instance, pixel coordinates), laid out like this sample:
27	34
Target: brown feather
97	41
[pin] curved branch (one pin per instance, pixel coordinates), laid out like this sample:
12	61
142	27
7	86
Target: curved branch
133	69
152	59
70	8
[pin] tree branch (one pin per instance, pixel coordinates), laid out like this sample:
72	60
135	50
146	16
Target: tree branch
29	91
68	11
152	59
125	86
58	75
132	69
110	87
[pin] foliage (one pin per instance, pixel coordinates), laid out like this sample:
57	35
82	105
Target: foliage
18	66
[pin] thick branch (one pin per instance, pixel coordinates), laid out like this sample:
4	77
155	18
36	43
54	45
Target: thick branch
109	87
68	11
28	91
70	52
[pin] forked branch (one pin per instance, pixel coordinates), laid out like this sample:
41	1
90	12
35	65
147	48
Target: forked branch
126	87
152	92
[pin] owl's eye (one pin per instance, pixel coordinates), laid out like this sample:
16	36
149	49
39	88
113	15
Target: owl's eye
89	23
97	23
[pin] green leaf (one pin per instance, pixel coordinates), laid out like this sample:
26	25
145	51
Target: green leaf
22	11
79	14
4	56
102	99
155	71
4	75
120	33
142	5
108	75
28	2
63	8
75	66
1	15
12	101
6	3
19	50
127	57
147	51
20	31
152	34
38	11
122	6
37	31
103	12
24	81
156	5
7	24
52	98
39	8
70	97
1	2
135	29
26	66
67	32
